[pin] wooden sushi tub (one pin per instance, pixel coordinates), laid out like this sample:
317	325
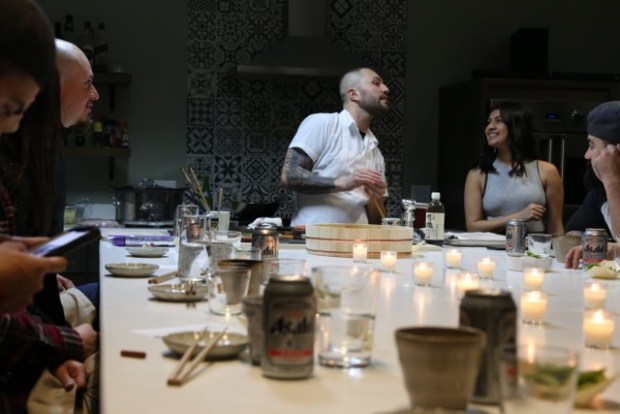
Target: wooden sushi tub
338	239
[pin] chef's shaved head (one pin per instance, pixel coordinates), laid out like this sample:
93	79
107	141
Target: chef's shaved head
350	80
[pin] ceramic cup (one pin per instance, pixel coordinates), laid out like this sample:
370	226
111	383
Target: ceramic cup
440	365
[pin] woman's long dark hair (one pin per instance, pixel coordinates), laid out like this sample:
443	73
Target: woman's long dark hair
34	148
521	143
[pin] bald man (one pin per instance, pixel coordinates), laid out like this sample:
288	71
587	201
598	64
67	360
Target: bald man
334	163
77	92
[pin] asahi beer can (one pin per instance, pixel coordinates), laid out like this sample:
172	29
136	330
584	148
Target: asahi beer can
515	237
494	312
289	311
594	246
265	237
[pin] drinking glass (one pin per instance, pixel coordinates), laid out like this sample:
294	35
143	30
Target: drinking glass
539	244
537	378
227	288
193	258
346	303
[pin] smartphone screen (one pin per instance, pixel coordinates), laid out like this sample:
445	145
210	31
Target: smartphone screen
66	242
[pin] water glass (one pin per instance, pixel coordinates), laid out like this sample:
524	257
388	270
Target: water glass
227	288
537	378
282	267
346	302
193	259
539	244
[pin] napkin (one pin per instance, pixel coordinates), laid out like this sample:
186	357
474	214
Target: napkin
475	236
276	221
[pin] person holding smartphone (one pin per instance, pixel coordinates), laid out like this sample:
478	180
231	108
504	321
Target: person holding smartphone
21	273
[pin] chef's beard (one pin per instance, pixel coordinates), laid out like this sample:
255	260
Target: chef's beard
590	180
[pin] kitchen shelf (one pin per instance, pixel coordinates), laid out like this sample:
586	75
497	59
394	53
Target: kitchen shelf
123	152
110	152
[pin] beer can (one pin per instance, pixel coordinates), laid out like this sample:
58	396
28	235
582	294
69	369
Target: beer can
494	312
289	312
265	237
515	237
594	246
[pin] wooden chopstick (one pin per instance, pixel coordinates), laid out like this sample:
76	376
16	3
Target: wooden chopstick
162	278
379	207
176	378
194	187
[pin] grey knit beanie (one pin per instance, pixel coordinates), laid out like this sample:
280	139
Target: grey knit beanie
604	122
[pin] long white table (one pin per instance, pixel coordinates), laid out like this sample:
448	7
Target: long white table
139	385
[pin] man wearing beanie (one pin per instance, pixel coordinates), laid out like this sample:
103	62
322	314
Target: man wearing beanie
601	207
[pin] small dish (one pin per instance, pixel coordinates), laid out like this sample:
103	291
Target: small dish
231	344
518	263
606	269
147	251
131	269
183	292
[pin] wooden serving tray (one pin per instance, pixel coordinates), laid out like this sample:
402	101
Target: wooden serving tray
338	239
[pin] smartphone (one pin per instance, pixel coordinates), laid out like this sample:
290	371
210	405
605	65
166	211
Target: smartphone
66	242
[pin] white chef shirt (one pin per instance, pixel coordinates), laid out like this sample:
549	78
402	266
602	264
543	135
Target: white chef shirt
335	145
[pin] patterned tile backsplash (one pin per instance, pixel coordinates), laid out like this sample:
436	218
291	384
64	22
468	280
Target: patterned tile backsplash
239	127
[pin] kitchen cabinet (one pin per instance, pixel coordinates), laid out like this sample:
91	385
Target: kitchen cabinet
463	110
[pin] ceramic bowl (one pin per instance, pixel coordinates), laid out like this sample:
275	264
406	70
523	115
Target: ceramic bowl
519	263
183	292
231	344
147	251
131	269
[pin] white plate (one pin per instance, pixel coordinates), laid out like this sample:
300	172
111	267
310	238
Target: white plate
229	346
183	292
131	269
150	251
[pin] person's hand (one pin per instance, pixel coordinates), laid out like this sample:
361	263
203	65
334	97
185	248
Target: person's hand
21	274
64	283
372	181
89	338
571	261
606	164
532	212
71	374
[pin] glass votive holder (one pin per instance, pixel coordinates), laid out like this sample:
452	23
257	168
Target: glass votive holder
360	252
388	260
422	273
594	295
598	329
533	277
486	267
453	258
466	281
533	307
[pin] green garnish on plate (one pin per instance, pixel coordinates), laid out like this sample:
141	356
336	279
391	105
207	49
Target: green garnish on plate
530	254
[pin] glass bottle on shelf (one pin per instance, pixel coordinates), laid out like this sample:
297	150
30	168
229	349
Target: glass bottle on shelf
101	49
87	42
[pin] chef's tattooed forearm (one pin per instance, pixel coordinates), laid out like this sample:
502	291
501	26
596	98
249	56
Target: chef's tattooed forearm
297	174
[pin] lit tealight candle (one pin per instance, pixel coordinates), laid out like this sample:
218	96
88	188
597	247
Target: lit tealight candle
360	252
465	282
388	260
453	258
598	329
533	307
533	277
422	273
594	295
486	267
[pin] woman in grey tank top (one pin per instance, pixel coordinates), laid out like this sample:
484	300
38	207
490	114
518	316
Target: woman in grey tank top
508	182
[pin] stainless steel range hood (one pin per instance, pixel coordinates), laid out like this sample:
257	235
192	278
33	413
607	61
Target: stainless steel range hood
305	51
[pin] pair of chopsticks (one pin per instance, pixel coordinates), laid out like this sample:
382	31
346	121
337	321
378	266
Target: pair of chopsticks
194	187
380	208
162	278
179	377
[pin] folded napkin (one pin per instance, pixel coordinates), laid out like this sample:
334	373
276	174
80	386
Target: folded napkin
276	221
477	236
